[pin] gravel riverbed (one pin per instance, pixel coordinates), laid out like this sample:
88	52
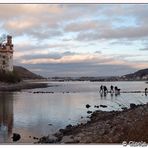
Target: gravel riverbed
107	128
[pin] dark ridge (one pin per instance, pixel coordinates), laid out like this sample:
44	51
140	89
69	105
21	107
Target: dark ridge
23	73
138	75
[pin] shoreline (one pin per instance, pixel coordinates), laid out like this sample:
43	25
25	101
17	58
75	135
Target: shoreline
21	85
112	127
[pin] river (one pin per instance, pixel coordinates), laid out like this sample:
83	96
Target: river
39	114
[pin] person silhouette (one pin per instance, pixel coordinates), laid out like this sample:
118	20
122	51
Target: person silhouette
117	90
101	89
146	91
105	90
111	89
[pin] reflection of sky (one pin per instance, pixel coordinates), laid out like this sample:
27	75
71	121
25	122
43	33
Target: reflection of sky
94	30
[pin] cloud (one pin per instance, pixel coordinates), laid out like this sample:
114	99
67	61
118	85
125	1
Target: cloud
80	69
31	19
144	49
45	56
39	20
122	42
33	27
69	57
81	26
13	24
113	33
19	10
46	21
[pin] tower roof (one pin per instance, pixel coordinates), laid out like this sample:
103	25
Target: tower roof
8	46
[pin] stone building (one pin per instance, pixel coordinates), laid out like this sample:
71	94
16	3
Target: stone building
6	55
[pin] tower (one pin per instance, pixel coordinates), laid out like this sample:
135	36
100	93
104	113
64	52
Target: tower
6	55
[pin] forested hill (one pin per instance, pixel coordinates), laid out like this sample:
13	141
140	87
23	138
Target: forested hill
23	73
138	75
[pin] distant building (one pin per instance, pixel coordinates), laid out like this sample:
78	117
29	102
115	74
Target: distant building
6	55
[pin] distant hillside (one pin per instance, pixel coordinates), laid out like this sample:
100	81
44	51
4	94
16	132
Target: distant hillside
23	73
138	75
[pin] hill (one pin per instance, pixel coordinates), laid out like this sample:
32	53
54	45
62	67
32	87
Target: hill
138	75
23	73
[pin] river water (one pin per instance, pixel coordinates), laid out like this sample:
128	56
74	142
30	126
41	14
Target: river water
40	114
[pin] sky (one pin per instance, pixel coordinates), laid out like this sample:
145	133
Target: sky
78	39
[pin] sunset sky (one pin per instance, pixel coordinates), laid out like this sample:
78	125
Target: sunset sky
78	39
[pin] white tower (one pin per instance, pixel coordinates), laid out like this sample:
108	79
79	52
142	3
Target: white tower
6	55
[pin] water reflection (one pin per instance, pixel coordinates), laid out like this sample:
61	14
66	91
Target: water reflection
112	95
6	116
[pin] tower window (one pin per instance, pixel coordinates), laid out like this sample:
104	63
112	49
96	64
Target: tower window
4	62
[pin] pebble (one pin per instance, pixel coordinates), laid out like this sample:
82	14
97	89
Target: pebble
16	137
67	139
132	105
88	106
50	124
104	106
89	112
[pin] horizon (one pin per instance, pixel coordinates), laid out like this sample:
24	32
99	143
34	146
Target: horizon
75	40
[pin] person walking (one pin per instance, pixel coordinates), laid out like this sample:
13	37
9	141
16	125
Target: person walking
105	90
117	90
101	89
111	89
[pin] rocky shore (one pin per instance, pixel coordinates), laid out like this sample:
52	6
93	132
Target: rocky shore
106	127
21	85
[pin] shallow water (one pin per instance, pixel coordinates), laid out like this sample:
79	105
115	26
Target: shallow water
40	114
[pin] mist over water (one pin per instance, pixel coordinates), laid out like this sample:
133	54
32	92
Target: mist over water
41	114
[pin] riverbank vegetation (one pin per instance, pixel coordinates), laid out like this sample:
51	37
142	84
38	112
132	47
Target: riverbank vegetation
9	77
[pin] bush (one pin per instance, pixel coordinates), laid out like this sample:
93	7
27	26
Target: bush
9	77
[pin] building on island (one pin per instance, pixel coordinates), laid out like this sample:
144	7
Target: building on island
6	55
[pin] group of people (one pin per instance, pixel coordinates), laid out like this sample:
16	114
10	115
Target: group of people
104	90
114	89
